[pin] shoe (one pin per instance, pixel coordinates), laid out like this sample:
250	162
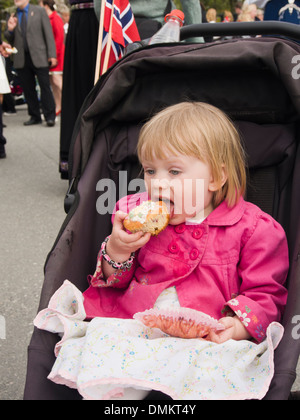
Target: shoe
2	152
33	121
9	113
50	123
58	113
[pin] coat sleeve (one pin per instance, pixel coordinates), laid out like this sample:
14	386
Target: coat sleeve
120	278
10	36
59	36
263	270
192	14
48	34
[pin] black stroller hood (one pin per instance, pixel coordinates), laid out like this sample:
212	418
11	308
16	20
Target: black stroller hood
232	75
256	82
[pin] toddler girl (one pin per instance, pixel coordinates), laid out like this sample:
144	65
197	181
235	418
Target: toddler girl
219	255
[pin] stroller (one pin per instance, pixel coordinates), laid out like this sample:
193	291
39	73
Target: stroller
255	81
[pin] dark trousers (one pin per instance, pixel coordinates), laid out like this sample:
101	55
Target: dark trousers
2	138
28	83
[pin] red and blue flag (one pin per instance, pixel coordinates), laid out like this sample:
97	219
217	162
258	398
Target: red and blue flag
123	29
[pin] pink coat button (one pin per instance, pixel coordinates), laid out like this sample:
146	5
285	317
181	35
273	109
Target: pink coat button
194	254
180	228
197	233
173	247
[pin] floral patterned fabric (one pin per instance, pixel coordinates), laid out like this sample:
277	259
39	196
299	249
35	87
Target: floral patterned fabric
248	318
107	356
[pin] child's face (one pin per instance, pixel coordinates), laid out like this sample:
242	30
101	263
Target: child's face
184	182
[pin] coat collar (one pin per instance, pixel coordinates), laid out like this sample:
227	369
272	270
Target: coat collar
226	216
26	8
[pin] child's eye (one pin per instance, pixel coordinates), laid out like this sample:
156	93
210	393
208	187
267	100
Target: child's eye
174	172
149	171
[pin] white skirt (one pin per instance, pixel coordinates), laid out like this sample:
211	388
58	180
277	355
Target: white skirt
4	85
107	357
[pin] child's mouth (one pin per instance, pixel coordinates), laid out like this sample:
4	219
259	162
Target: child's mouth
169	203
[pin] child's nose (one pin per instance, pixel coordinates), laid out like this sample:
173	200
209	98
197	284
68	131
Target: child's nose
161	183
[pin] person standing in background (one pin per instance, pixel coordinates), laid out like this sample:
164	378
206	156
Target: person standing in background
30	32
80	61
79	71
64	11
56	73
4	88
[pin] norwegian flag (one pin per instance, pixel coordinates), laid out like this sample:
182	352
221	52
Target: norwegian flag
123	30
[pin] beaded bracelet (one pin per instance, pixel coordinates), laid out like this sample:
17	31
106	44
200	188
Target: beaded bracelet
118	266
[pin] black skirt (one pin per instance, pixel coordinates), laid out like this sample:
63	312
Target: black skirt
78	75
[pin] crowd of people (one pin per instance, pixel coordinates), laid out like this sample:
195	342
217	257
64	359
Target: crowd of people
51	40
244	12
35	38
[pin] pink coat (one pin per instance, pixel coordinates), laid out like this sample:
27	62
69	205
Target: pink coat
235	261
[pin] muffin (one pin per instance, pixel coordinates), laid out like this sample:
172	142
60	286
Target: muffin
150	216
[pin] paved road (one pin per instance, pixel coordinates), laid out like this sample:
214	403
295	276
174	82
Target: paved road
31	213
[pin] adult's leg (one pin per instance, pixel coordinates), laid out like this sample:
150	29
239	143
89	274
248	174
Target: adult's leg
56	84
47	99
28	83
2	138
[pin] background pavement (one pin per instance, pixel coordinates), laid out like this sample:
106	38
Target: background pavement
31	213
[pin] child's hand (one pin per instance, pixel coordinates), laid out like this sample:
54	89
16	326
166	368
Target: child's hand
234	329
121	244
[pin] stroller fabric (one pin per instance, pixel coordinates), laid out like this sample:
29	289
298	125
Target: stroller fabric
255	81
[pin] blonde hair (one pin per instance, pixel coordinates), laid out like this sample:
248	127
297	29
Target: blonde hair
228	14
245	15
202	131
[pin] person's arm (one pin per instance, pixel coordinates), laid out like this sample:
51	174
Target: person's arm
59	36
3	48
263	269
10	28
192	14
119	248
49	38
121	244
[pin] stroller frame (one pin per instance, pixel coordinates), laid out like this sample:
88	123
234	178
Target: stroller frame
255	81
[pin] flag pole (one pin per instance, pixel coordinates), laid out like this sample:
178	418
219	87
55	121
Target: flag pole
108	45
100	38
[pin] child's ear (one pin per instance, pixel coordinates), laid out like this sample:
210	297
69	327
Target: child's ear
216	185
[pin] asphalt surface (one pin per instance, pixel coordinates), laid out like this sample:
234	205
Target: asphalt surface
31	213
